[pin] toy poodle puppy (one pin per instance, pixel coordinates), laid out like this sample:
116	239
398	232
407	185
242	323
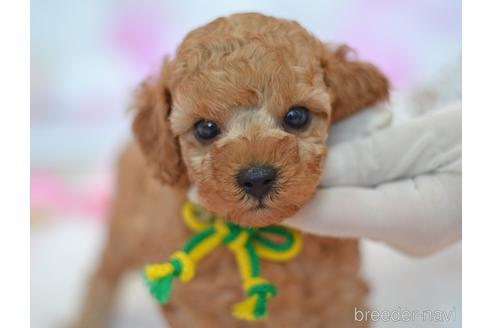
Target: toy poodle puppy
242	114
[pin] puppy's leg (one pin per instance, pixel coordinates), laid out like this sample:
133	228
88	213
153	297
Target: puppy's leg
116	257
101	289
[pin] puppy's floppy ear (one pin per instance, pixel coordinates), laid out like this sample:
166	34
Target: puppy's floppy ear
152	129
353	85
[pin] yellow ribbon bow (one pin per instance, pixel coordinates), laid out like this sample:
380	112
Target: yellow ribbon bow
247	244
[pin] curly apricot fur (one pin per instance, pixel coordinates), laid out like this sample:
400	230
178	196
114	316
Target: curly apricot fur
243	72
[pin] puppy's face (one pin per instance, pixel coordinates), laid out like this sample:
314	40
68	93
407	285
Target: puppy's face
253	143
245	109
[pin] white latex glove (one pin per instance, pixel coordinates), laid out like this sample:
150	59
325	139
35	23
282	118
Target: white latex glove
400	185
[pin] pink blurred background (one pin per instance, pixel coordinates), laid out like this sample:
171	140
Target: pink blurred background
88	56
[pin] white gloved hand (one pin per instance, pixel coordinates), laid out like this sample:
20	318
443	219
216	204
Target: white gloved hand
400	185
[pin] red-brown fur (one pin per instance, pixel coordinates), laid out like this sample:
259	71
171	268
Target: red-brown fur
243	72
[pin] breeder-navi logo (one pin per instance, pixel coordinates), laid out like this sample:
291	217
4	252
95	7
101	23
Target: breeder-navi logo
403	315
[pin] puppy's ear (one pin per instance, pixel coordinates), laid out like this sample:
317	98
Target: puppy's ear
152	129
353	85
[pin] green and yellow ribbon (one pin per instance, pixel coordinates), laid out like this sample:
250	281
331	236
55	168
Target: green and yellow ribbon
247	244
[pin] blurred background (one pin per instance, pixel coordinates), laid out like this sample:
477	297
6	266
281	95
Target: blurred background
86	59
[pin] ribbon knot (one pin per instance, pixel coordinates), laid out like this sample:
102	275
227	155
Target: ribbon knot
247	245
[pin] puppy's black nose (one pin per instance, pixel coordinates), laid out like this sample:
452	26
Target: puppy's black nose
257	180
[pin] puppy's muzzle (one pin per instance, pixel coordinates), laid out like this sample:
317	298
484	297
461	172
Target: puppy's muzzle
256	180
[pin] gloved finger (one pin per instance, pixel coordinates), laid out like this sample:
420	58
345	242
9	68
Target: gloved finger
418	216
362	124
419	146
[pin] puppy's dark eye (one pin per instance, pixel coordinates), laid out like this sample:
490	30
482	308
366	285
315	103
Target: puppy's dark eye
206	130
297	118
